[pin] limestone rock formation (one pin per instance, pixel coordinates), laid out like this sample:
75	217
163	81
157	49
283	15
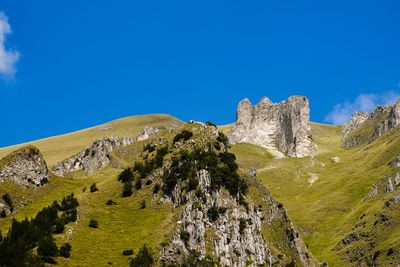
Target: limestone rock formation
380	120
24	166
356	120
93	158
284	126
145	134
234	244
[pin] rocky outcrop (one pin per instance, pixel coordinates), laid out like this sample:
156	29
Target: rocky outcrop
382	119
24	166
284	126
356	120
93	158
146	133
217	220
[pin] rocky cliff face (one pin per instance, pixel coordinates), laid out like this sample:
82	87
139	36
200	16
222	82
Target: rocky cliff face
213	222
93	158
24	166
284	126
356	120
365	129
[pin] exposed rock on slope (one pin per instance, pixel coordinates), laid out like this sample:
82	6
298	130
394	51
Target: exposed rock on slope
365	130
145	134
24	166
93	158
220	215
356	120
284	126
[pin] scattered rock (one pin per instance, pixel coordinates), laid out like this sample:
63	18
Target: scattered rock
284	126
389	186
253	172
145	134
356	120
336	159
104	127
93	158
373	192
24	166
313	178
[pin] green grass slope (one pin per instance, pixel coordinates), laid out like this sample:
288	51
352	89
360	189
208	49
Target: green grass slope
324	195
60	147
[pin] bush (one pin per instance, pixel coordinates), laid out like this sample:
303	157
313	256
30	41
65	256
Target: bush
127	190
93	223
126	176
222	138
127	252
59	226
3	214
209	123
47	247
156	188
93	188
111	202
242	225
8	201
143	204
185	135
138	184
65	250
185	235
213	214
144	258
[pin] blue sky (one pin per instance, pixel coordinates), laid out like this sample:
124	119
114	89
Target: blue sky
68	65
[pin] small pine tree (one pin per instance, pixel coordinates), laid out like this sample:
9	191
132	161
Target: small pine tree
93	188
143	204
144	258
93	223
65	250
3	214
138	184
127	191
47	248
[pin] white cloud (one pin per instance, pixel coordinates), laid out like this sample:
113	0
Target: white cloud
341	113
8	57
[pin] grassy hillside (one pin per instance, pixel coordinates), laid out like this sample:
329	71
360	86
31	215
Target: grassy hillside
60	147
324	195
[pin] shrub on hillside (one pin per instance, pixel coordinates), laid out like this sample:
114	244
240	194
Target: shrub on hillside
127	252
3	214
156	188
143	204
138	184
93	223
184	135
144	258
126	175
47	247
8	201
127	190
93	188
111	202
65	250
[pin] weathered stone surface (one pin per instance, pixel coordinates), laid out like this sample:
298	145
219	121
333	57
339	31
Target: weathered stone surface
24	166
382	119
356	120
233	245
145	134
389	186
284	126
93	158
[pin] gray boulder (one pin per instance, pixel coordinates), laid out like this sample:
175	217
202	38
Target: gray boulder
284	126
24	166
